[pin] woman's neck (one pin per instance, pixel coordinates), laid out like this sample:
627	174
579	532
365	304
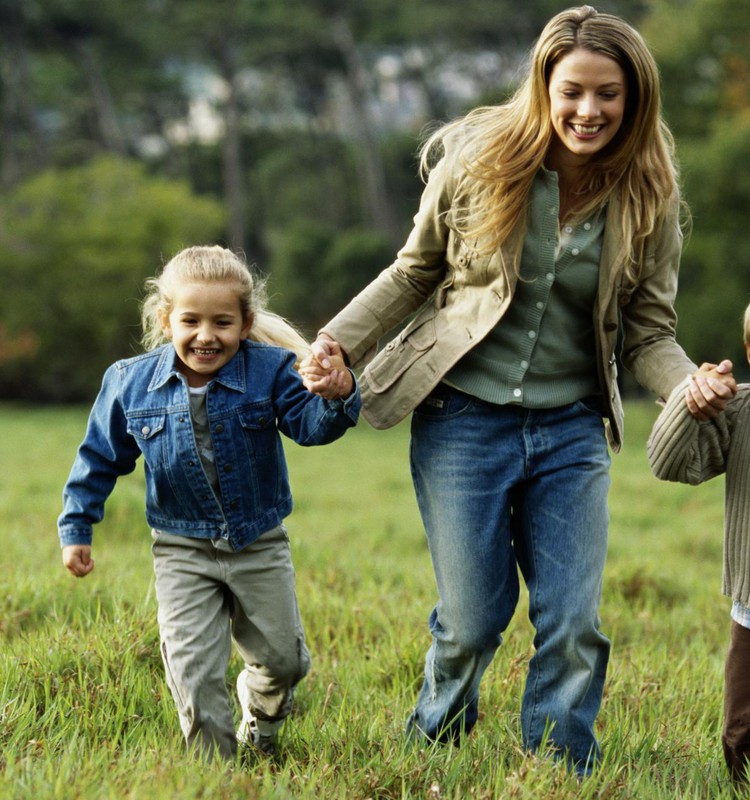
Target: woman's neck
571	182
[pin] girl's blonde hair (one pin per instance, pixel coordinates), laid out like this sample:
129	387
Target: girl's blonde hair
501	148
208	264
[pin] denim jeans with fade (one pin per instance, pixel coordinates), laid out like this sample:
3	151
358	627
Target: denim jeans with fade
503	488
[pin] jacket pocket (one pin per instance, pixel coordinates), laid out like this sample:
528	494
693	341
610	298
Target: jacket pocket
400	353
259	425
145	427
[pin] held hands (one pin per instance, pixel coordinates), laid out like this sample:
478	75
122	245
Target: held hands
324	372
710	390
77	559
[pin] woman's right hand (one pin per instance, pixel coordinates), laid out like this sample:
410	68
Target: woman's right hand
324	347
324	352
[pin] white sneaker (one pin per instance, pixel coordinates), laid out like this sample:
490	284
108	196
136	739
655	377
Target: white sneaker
253	732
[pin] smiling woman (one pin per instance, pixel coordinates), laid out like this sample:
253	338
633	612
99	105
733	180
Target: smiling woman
587	92
548	231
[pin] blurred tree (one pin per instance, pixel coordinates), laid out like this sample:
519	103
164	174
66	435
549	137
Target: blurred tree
75	248
703	48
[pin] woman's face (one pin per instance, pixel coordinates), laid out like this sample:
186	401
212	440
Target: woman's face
587	93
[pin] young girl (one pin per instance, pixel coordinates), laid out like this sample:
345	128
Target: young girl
548	227
204	410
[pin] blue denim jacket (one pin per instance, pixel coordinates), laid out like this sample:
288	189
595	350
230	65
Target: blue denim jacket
143	409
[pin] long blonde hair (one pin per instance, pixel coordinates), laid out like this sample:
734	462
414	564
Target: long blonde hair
501	148
208	264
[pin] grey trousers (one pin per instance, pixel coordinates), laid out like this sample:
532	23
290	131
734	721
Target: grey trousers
209	598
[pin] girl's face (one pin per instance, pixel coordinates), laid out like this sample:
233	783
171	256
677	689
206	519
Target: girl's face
587	93
206	327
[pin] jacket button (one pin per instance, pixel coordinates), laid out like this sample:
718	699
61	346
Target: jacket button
145	430
227	467
262	421
219	428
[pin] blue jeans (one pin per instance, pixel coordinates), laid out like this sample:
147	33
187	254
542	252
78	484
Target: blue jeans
503	488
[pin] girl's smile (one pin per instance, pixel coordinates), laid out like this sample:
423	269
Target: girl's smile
206	326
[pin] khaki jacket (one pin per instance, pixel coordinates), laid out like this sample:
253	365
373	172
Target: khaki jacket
459	296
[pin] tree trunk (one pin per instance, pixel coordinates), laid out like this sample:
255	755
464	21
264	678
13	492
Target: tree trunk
17	120
375	199
232	166
104	106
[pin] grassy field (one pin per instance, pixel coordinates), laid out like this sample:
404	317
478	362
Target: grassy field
85	713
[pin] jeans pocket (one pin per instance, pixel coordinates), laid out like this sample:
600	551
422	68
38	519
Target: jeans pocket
444	402
591	405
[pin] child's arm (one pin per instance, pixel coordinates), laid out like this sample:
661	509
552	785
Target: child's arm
684	449
77	559
107	451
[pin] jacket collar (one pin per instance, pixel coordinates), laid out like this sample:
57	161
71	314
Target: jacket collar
231	375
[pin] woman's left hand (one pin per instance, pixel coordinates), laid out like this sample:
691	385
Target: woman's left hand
710	390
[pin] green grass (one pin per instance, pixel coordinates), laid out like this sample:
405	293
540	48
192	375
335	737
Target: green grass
85	713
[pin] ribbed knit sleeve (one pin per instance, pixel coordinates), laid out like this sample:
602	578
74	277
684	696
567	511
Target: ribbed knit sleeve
683	449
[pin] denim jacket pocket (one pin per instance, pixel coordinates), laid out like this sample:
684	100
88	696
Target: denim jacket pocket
145	426
259	424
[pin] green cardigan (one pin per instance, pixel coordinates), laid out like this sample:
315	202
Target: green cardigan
688	451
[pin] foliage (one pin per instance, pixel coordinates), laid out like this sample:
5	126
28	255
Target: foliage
85	711
314	271
702	47
75	247
302	119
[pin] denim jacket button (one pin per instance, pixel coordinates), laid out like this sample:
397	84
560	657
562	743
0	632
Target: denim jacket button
145	430
227	467
219	428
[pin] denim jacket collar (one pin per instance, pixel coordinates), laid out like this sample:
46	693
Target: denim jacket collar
231	375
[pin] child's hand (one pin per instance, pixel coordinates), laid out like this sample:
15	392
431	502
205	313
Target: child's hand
77	559
333	383
711	389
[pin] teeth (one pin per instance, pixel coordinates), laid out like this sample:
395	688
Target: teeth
587	130
204	352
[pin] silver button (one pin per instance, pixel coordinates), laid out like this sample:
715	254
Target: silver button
575	251
516	393
568	229
550	276
587	226
145	430
532	334
524	364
